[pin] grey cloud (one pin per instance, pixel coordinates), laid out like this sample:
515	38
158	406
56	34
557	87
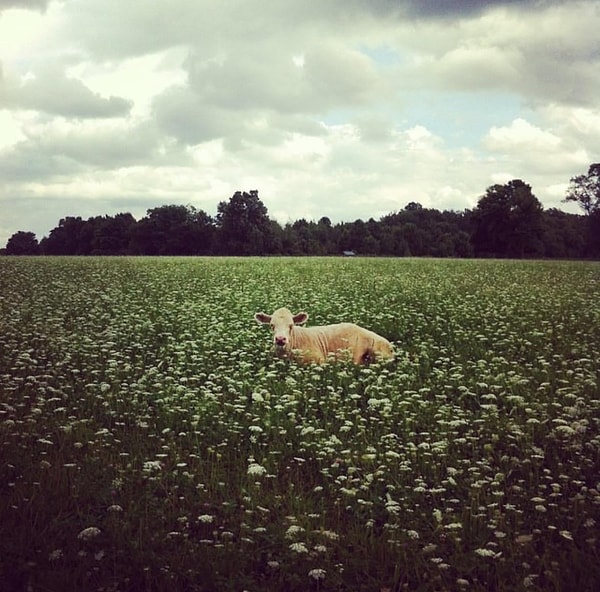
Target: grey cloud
249	79
458	8
332	75
181	114
51	91
49	153
28	4
552	56
341	76
24	162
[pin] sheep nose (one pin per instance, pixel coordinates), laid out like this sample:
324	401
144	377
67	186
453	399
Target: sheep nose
280	340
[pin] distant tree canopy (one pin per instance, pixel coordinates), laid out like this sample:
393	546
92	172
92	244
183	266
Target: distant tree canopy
508	221
585	191
22	243
244	227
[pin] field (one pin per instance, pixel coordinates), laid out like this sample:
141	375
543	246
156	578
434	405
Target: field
150	440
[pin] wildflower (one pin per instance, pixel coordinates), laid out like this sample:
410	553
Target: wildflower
529	580
151	466
89	533
293	531
256	470
330	534
55	555
114	509
206	518
486	553
299	548
317	574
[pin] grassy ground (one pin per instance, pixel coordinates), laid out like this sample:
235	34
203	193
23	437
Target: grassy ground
150	441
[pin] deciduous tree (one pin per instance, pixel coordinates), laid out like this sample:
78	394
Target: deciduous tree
22	243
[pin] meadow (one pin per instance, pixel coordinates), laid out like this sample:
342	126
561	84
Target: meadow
149	439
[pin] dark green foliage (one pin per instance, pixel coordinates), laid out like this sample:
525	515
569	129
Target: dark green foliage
22	243
243	226
585	190
508	222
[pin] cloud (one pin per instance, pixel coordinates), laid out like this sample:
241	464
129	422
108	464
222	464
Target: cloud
50	91
28	4
58	149
550	55
452	9
530	150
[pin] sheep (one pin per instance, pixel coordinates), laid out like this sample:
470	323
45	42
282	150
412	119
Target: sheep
316	344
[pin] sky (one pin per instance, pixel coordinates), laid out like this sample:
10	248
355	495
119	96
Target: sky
341	108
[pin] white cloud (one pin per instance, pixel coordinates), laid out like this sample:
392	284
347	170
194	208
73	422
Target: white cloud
521	135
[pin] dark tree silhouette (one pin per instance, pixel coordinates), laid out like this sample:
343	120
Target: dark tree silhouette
22	243
508	222
585	190
243	226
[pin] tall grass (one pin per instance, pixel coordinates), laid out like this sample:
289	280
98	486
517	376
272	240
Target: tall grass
150	441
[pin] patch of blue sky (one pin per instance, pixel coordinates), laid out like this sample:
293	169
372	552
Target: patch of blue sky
384	55
461	119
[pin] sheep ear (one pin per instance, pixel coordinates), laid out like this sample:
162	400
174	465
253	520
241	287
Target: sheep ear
300	318
263	318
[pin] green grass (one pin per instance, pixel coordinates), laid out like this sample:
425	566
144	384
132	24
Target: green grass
150	441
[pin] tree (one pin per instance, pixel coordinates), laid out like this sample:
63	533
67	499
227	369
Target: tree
173	230
243	226
564	234
22	243
112	234
585	190
68	238
508	222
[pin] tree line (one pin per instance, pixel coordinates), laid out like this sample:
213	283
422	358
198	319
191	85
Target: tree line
508	221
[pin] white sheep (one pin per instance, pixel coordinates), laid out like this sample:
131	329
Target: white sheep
316	344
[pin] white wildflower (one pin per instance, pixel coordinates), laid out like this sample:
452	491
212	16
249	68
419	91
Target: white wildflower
293	531
317	574
486	553
206	518
152	466
89	533
256	470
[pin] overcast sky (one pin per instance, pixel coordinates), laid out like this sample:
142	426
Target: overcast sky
341	108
